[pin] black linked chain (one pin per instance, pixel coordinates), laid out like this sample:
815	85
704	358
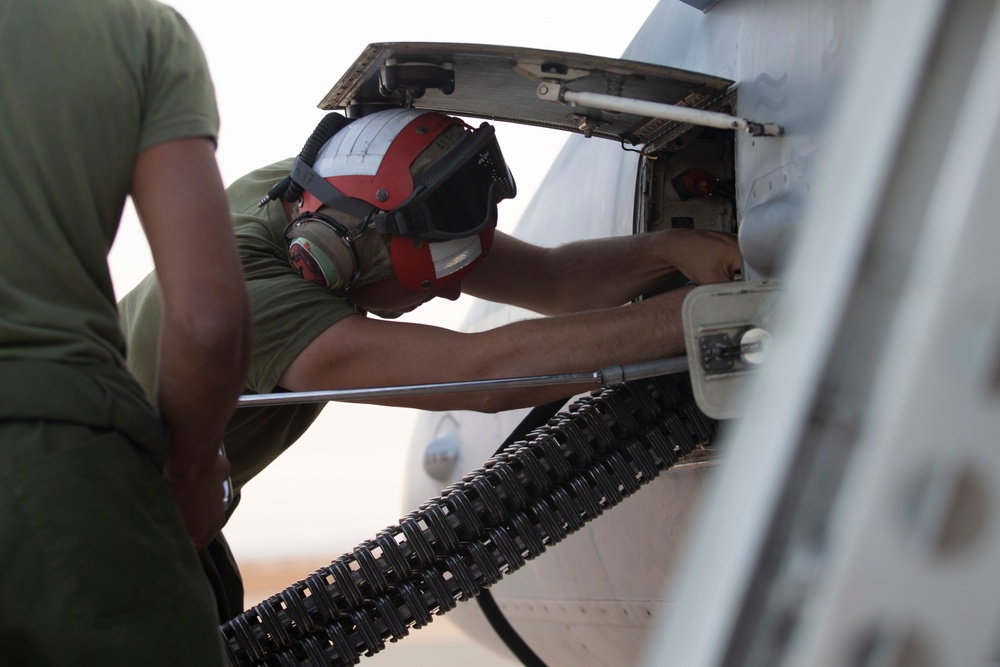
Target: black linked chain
529	496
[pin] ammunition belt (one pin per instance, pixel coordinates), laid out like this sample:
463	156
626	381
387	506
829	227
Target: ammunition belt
529	496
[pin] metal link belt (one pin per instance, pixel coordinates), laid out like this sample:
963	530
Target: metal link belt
526	498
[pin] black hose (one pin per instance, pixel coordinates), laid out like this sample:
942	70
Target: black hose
328	126
506	632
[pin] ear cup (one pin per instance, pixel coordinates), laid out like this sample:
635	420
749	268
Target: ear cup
321	253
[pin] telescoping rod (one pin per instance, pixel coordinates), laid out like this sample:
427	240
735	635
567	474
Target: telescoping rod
549	90
604	377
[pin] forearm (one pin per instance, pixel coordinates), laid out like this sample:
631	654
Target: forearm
579	343
201	372
205	337
602	273
577	276
359	352
200	376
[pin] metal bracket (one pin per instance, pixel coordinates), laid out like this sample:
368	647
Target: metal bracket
415	78
556	92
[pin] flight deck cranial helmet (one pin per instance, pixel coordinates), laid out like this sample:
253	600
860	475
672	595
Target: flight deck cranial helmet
424	179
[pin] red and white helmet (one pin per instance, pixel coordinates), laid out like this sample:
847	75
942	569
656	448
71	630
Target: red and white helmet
441	213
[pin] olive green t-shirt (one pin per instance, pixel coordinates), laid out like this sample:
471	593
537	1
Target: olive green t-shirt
288	314
69	136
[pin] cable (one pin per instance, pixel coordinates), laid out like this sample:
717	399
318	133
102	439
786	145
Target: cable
287	188
511	639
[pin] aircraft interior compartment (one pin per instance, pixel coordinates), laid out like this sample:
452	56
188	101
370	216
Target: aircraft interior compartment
689	184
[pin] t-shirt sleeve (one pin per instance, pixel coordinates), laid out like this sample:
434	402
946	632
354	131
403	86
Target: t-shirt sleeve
289	313
140	316
180	98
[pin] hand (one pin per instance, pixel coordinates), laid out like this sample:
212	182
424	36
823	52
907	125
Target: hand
704	256
198	492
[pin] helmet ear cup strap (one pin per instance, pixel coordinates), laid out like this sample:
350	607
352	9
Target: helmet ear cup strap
304	176
321	250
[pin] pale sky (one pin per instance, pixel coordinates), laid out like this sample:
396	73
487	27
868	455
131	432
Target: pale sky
272	62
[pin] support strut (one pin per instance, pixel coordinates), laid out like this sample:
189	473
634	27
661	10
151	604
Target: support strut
556	92
604	377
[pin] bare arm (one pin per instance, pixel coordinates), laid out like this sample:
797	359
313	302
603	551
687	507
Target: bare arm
599	273
206	337
361	352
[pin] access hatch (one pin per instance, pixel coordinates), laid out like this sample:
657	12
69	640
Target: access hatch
503	83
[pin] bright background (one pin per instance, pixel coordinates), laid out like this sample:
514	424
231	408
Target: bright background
272	62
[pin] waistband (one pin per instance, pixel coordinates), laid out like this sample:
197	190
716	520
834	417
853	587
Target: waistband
94	396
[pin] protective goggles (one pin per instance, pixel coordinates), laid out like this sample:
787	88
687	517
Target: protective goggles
456	197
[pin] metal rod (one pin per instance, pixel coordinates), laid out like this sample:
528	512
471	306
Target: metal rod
700	117
600	378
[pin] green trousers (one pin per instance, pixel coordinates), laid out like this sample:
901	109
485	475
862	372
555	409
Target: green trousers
95	565
224	576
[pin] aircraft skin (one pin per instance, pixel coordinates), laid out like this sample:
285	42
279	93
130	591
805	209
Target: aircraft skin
591	599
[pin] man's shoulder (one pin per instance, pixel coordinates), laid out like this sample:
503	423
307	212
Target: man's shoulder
246	192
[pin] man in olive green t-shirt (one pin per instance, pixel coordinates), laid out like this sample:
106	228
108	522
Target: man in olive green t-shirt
103	499
317	263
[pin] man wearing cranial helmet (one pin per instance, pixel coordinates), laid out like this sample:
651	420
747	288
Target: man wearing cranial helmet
423	210
381	214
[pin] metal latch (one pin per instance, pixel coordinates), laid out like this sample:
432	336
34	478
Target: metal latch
724	353
727	334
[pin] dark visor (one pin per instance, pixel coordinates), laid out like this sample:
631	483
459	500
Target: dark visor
457	196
